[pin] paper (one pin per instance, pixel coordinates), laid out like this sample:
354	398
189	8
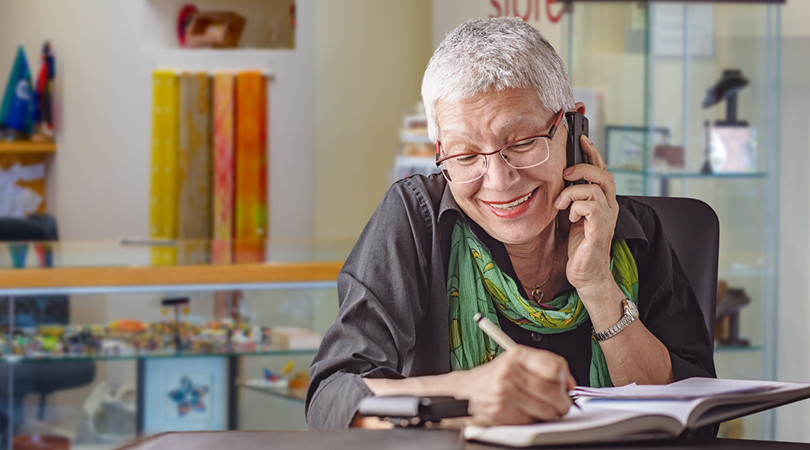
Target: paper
650	412
31	172
682	390
18	201
576	427
668	27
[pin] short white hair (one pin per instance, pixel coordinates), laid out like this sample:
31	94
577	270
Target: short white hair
498	53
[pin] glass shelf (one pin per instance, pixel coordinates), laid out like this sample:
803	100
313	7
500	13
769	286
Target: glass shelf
14	359
733	349
690	175
129	265
138	252
298	395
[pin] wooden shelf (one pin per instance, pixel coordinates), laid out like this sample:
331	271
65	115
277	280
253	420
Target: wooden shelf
168	275
24	147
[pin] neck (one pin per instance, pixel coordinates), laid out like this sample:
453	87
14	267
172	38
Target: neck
532	260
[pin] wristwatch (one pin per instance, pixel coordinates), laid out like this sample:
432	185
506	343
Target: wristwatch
630	316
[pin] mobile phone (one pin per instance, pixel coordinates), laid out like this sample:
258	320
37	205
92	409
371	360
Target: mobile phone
410	410
577	126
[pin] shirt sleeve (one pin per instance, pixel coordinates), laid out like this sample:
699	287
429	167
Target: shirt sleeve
668	306
376	326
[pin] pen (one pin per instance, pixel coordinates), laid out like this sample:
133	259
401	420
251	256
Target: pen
501	338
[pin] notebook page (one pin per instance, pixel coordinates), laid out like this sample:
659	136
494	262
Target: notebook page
690	388
677	409
577	426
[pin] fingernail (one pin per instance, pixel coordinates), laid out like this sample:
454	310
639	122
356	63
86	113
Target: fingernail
589	140
568	171
557	201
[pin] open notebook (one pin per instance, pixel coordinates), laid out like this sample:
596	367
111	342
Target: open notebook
647	412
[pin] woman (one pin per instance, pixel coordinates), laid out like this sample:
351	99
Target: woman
561	270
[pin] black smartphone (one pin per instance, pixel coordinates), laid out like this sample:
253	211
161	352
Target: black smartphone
577	126
411	410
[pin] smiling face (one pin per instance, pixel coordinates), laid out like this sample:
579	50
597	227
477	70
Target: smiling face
513	205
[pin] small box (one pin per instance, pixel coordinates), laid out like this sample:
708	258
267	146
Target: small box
215	29
291	338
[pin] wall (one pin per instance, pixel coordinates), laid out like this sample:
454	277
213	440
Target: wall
371	56
103	138
363	51
99	179
448	14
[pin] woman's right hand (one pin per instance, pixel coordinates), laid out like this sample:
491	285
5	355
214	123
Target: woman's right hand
522	385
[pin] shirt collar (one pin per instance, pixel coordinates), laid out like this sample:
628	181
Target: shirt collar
627	226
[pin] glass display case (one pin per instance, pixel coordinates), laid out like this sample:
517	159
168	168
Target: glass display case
100	346
683	100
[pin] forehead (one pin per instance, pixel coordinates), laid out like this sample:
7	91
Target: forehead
491	112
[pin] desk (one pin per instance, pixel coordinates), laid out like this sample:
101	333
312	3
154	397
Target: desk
358	439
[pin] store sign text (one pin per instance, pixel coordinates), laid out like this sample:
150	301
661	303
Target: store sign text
527	9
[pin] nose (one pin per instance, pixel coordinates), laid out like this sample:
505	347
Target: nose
499	176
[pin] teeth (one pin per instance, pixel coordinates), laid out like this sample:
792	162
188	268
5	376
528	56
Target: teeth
514	203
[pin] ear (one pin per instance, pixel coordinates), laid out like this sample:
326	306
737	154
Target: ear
580	107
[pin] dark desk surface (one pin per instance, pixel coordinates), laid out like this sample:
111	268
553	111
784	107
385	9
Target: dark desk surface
397	439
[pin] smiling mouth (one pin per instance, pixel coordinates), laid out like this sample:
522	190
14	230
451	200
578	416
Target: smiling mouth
513	204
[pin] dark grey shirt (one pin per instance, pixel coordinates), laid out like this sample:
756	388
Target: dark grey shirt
393	317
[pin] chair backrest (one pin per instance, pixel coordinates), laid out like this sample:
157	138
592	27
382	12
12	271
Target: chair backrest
24	229
694	233
40	309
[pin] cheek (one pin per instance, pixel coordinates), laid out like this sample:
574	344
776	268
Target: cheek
464	193
550	172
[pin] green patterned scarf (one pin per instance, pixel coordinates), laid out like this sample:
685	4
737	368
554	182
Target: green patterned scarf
476	284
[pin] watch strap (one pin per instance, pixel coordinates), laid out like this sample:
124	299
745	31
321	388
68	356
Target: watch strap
614	329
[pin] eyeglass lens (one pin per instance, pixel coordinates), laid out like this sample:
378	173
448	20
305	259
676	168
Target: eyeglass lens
520	155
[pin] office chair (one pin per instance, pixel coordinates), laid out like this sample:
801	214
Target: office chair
694	232
30	311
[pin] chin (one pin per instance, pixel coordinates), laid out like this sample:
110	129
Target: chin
514	232
512	238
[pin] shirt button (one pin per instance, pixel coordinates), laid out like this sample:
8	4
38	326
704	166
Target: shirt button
537	337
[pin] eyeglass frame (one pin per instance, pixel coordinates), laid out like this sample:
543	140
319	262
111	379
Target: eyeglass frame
550	135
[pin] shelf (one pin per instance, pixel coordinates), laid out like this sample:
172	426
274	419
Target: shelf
744	272
417	138
14	359
205	277
737	349
692	175
419	161
27	147
298	395
212	60
267	26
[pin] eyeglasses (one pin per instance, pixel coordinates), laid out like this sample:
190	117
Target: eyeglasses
464	167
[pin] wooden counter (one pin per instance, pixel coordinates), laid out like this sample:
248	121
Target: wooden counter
168	275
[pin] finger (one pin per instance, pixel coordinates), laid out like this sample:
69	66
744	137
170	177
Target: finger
543	364
594	157
549	399
544	410
580	192
517	396
570	382
542	399
594	175
592	212
486	412
548	375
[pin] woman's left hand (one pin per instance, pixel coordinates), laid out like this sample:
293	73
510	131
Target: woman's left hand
593	219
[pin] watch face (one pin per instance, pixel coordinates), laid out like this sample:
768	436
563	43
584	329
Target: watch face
632	308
